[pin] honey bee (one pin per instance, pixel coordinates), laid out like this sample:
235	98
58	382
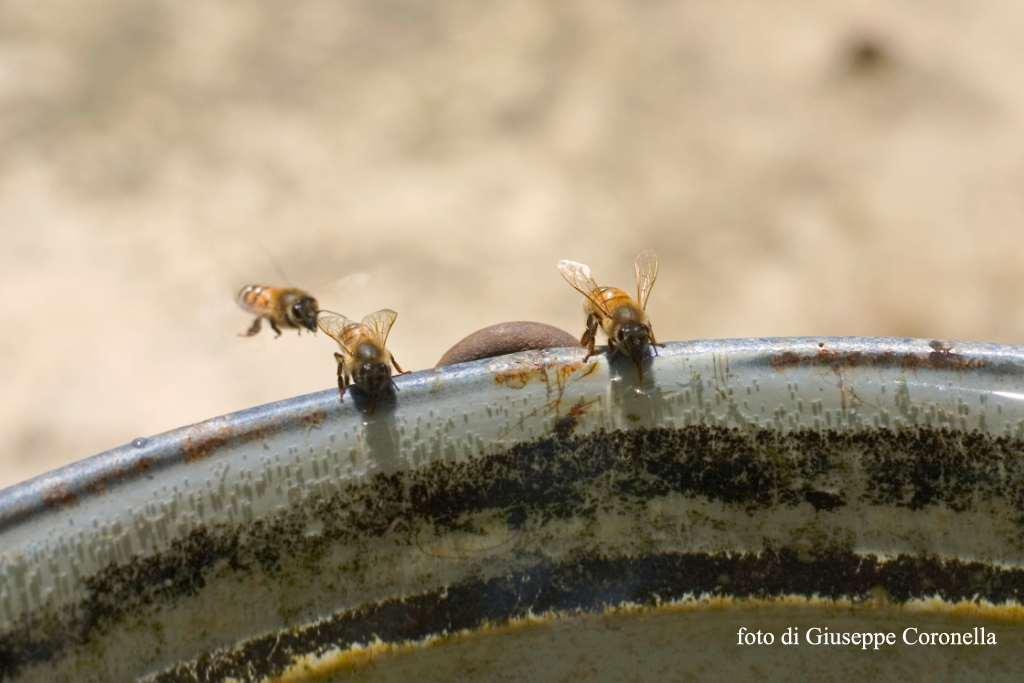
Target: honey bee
622	319
282	307
364	362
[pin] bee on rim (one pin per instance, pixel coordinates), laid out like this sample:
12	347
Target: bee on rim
622	318
364	361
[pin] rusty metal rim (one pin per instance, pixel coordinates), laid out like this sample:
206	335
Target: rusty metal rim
145	457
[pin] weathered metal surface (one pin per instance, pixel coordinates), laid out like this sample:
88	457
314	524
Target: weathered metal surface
880	473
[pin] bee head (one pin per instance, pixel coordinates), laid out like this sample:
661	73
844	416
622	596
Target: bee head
372	377
633	339
304	312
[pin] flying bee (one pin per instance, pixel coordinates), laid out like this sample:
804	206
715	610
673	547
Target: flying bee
364	361
620	316
282	307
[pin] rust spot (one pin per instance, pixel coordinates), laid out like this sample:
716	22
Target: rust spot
203	443
562	377
911	361
854	358
838	361
564	426
786	359
258	434
517	371
566	371
941	358
830	359
58	495
315	419
519	379
142	464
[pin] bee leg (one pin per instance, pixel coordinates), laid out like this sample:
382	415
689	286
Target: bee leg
400	372
255	328
614	348
274	327
654	343
342	379
589	336
587	342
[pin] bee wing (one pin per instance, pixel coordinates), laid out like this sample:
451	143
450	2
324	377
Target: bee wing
334	326
381	322
646	273
223	320
578	275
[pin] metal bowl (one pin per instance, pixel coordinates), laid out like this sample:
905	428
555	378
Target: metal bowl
538	517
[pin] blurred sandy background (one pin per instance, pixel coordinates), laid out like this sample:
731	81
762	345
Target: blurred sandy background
801	168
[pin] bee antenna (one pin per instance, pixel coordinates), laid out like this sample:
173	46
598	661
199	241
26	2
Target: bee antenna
327	310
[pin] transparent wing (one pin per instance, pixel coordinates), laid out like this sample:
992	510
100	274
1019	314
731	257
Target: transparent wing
578	275
224	320
646	273
240	297
334	326
381	322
